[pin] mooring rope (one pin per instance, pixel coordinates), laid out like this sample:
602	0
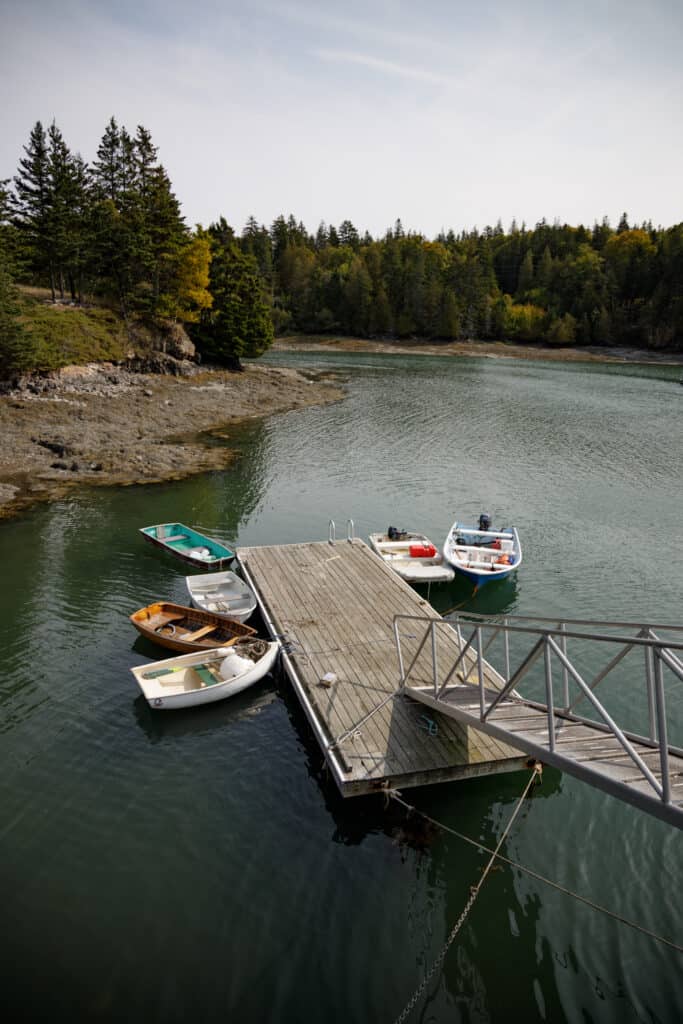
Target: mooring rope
496	855
474	892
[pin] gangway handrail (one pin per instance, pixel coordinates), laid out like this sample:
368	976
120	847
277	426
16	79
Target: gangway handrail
490	619
640	641
551	642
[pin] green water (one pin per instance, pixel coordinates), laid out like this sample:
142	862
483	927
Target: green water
200	865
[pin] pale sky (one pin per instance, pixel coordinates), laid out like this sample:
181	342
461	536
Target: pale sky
441	112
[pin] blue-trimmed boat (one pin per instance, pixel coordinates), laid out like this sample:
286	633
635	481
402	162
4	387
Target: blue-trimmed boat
189	545
481	553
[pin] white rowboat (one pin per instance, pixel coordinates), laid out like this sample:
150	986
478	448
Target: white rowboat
206	676
483	555
222	593
412	556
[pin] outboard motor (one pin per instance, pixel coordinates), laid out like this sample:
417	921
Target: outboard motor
484	521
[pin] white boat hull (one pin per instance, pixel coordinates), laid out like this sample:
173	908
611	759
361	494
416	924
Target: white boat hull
222	593
481	562
175	682
397	556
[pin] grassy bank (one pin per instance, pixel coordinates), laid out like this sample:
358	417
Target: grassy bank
65	335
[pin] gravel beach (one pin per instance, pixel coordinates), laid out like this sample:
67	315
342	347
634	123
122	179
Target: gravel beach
102	424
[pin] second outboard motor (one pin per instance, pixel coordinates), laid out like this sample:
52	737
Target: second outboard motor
484	521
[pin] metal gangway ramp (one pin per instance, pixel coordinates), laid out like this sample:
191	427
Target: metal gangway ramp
636	668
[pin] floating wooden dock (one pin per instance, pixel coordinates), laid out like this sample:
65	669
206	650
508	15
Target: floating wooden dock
333	605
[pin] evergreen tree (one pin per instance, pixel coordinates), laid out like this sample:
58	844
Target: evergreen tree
32	204
525	280
108	171
68	213
348	235
239	323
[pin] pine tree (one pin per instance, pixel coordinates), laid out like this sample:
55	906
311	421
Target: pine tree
525	279
108	169
32	205
68	212
239	323
348	235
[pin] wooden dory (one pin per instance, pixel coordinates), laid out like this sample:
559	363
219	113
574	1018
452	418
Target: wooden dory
189	545
187	629
205	677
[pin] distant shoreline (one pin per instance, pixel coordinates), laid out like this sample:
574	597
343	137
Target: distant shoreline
474	349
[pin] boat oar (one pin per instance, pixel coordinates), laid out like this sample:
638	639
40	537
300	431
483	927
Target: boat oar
162	672
179	668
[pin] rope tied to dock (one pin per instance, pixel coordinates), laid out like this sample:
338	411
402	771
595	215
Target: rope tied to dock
394	794
474	892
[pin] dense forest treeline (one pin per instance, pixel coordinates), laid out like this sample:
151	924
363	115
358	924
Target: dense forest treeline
554	283
113	230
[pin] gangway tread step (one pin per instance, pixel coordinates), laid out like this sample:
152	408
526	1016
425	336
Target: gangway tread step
587	751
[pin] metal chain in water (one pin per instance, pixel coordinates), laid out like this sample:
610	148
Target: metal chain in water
474	892
439	960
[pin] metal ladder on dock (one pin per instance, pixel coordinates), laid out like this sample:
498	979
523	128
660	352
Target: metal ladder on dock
635	762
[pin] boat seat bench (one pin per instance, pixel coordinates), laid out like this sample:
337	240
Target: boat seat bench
206	675
175	537
198	633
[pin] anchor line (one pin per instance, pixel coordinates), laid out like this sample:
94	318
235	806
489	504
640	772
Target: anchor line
474	892
395	795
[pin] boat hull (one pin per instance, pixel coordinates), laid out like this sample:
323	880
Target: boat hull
163	692
189	545
222	593
187	629
480	578
482	563
396	555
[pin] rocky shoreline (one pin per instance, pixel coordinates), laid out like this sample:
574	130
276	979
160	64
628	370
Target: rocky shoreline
105	424
476	349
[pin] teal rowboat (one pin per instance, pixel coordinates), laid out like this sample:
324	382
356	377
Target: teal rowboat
189	545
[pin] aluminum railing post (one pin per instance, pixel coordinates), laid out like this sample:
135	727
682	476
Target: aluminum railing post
649	676
661	727
480	672
549	694
401	668
434	664
565	674
506	646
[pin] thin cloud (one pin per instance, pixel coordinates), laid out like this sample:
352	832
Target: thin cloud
385	66
315	18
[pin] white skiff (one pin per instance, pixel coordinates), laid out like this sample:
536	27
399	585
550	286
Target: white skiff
412	556
222	593
205	676
481	553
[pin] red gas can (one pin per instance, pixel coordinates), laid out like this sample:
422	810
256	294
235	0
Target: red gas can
422	550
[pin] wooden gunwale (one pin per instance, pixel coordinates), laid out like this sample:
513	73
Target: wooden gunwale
225	632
